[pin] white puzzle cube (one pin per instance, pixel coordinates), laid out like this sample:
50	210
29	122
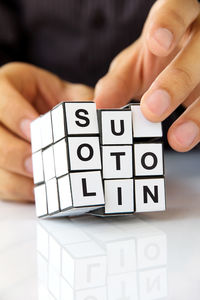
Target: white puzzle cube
106	162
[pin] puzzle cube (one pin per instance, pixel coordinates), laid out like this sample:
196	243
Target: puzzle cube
107	162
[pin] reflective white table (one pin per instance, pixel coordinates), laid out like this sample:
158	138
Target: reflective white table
146	256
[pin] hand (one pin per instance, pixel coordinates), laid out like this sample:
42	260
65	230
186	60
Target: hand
25	92
162	68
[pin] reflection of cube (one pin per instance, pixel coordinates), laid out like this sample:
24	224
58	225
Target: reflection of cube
152	251
108	260
84	265
153	284
123	286
106	162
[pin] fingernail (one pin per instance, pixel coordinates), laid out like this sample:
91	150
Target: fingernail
28	165
164	37
186	133
25	127
158	102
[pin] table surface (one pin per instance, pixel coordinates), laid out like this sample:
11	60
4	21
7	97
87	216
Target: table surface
147	256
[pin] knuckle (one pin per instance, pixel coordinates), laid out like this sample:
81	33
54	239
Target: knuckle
5	154
177	17
183	75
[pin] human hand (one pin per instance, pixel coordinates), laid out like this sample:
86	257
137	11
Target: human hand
26	91
162	68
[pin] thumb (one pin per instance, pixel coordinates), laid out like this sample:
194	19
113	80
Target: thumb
120	84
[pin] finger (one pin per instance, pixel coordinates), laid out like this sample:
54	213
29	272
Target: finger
175	83
193	96
184	134
15	154
16	112
119	85
79	91
15	187
168	21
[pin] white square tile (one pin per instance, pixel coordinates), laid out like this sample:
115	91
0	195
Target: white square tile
116	127
148	159
119	196
142	127
65	194
58	122
54	254
61	158
48	163
42	268
84	265
87	189
42	241
38	172
36	140
84	153
153	284
40	200
66	290
52	196
121	256
150	194
81	118
54	282
152	251
117	161
123	286
46	129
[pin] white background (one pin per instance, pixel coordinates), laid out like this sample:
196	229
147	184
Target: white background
179	226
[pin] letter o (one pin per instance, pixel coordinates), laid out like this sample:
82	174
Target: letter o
143	162
79	150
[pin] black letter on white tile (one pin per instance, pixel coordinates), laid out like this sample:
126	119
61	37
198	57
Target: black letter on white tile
117	154
79	116
155	160
146	192
85	192
91	152
119	195
113	127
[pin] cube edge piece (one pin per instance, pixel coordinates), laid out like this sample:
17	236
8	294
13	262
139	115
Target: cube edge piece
158	135
37	202
55	135
35	126
46	140
164	194
158	142
99	116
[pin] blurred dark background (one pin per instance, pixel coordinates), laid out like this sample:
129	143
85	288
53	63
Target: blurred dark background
75	39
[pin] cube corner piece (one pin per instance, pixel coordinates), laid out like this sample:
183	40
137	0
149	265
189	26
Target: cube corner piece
142	128
150	194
